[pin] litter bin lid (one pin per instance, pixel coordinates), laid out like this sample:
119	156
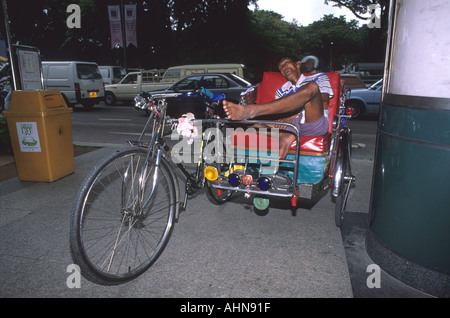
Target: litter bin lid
36	101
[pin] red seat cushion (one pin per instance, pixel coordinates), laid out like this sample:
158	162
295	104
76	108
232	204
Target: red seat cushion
266	93
255	141
266	89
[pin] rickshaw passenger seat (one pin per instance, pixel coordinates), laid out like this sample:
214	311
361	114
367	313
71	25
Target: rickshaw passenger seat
312	145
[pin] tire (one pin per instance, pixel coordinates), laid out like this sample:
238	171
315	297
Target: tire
341	199
66	100
342	177
110	99
88	105
358	108
117	231
261	205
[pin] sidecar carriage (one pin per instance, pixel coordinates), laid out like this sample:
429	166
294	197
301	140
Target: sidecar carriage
313	166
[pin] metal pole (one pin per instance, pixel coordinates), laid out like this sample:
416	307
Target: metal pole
331	57
124	43
8	39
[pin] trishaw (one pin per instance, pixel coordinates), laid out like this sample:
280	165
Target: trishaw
125	209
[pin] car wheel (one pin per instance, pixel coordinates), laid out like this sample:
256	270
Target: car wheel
110	99
358	108
88	105
67	101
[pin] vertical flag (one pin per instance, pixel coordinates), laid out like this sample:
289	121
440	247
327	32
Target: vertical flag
130	24
115	26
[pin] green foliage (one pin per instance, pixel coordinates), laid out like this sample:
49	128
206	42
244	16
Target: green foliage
343	35
360	7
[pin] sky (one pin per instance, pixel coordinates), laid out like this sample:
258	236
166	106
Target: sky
304	11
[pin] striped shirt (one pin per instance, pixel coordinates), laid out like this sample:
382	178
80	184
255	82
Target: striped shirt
321	79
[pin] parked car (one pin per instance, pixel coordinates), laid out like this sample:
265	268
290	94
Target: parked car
78	82
132	84
112	74
219	83
175	73
366	101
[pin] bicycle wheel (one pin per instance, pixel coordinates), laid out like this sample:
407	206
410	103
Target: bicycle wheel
122	217
342	178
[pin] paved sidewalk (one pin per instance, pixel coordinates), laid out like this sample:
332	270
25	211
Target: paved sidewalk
214	252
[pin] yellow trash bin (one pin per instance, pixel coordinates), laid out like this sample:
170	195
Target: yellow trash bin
40	128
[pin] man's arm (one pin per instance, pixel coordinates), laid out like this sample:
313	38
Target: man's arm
297	100
326	101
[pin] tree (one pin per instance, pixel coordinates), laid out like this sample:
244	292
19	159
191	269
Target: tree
168	31
284	38
360	7
267	44
377	37
332	38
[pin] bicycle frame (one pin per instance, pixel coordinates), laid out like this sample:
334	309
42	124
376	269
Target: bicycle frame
158	150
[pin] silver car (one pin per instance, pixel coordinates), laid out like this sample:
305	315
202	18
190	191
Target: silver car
365	101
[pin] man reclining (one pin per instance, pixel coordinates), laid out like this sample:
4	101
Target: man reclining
306	96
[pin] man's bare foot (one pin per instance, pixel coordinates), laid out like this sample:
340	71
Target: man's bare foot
235	111
286	141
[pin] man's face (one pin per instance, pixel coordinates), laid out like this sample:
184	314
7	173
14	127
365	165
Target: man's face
290	69
309	66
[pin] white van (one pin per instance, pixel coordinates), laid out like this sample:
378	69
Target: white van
112	74
78	82
175	73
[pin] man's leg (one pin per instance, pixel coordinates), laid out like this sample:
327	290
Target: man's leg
286	140
308	95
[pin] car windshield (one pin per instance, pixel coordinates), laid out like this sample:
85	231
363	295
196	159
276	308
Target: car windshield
377	85
129	79
189	83
119	72
239	80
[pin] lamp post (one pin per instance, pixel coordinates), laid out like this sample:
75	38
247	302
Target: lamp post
8	40
331	56
124	40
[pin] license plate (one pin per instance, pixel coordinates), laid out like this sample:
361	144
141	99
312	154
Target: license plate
93	94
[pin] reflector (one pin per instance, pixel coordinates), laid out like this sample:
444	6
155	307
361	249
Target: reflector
234	180
260	203
264	183
247	180
349	111
211	173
